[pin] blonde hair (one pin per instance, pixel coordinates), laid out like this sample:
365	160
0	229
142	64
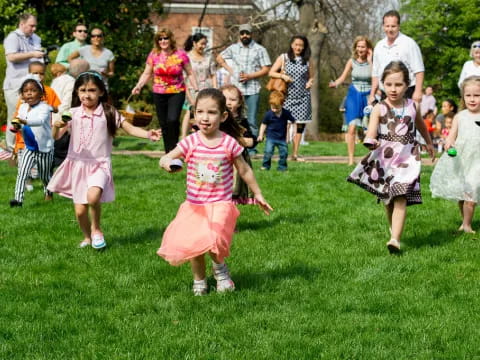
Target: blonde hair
276	98
356	41
164	32
471	80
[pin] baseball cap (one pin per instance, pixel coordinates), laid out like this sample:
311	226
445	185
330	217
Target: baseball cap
245	27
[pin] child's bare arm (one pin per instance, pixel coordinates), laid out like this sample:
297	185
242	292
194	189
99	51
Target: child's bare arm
261	132
370	140
246	173
153	135
452	135
166	159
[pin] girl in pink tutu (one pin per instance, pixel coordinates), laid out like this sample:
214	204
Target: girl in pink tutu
391	170
86	174
206	221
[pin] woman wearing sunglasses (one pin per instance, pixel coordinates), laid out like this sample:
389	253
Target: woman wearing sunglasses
99	57
166	64
471	67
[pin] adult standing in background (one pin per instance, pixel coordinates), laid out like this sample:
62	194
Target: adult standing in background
166	64
360	66
397	47
80	38
250	61
298	73
471	67
428	102
99	57
22	46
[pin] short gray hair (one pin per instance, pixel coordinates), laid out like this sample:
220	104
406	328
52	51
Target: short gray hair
23	18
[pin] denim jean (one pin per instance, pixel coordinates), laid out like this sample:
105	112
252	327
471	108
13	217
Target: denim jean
270	145
252	107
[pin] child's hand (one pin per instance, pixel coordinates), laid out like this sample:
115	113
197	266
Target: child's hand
154	135
370	143
266	208
448	145
165	163
260	138
59	124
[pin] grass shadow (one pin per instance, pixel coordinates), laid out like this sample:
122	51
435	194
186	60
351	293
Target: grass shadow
139	237
436	238
256	280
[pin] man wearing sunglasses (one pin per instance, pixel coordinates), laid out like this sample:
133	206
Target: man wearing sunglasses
80	37
250	61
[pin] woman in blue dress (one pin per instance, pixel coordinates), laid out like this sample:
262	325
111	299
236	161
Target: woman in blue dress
360	65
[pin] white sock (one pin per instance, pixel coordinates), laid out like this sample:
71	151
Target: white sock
218	266
200	282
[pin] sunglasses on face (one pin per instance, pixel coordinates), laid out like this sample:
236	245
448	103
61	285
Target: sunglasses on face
244	33
96	36
163	38
476	46
82	31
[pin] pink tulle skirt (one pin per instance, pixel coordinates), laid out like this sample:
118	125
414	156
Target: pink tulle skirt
197	229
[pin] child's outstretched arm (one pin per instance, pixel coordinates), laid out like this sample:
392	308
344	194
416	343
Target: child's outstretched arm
153	135
370	140
246	173
452	135
165	160
422	128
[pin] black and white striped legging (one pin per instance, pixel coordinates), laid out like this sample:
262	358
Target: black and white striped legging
43	161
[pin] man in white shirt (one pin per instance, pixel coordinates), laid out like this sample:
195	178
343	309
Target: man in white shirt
22	46
397	47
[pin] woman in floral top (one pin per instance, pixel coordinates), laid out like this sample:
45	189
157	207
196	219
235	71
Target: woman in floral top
167	63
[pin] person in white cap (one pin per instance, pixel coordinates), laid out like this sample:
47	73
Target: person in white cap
249	62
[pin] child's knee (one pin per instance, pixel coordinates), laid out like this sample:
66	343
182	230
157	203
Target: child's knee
94	194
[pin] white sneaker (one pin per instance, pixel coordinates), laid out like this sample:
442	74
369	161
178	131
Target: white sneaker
224	281
29	187
98	241
200	288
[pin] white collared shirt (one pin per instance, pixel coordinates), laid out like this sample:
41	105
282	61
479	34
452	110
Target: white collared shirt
403	49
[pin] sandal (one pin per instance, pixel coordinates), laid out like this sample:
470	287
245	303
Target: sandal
393	246
84	244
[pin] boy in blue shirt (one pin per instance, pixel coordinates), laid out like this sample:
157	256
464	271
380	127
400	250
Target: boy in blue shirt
276	123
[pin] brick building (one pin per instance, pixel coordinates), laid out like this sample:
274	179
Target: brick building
182	17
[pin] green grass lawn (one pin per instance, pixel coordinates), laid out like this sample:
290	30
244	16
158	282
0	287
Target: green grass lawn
314	280
315	148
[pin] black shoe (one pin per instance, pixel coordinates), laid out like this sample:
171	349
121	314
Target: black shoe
14	203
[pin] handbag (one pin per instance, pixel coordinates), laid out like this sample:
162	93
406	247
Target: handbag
277	84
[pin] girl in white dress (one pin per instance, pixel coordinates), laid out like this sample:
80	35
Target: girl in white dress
457	177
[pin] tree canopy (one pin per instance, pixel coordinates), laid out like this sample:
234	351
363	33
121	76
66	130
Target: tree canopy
128	32
444	30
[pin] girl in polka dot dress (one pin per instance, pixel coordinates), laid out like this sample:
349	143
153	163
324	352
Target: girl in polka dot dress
391	170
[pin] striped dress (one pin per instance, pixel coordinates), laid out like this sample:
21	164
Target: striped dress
206	221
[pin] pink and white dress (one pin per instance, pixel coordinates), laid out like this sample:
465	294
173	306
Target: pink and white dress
88	161
206	220
392	169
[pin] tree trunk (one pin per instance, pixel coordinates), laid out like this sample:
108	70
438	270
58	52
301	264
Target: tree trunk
311	26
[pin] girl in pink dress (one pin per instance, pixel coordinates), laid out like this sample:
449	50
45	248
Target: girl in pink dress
209	210
391	170
86	174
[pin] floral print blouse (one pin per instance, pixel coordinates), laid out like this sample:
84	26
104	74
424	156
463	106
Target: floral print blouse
168	71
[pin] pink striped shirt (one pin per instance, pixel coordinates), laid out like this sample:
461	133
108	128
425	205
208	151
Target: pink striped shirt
210	169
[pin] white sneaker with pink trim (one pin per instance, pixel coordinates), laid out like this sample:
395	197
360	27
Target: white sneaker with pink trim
98	241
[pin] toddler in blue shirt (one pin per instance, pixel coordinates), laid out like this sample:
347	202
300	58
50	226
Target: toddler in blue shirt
275	122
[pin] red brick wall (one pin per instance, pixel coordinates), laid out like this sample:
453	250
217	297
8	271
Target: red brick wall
181	25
